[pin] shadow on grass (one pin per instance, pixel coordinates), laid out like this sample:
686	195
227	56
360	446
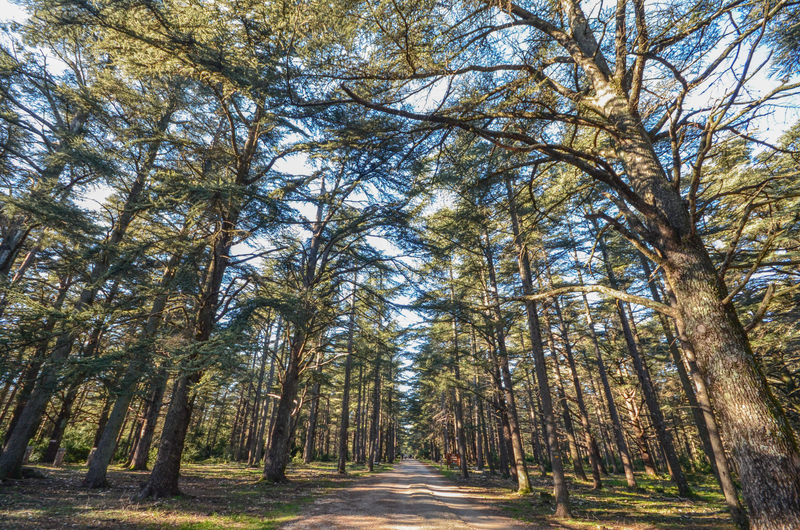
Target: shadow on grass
215	496
655	505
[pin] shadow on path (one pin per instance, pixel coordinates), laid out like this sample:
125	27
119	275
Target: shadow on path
411	496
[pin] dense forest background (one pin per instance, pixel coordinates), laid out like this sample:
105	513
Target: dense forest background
555	238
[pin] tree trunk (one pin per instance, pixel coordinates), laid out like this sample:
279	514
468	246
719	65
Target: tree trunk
591	445
457	406
311	433
163	481
763	444
577	464
142	453
622	445
523	261
376	410
279	445
60	426
511	407
648	390
738	513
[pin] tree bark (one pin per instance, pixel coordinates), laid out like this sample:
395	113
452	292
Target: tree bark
648	390
278	453
622	445
376	410
348	366
591	445
738	513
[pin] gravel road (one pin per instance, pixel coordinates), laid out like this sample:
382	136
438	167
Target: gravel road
410	497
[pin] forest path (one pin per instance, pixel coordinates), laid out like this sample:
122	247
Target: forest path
410	497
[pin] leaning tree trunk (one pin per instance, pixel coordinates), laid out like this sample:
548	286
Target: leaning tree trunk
47	384
163	480
141	455
763	444
648	389
96	475
62	420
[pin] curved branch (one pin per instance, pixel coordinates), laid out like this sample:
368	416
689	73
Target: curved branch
614	293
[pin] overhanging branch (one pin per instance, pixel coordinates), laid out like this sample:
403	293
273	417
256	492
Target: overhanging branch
614	293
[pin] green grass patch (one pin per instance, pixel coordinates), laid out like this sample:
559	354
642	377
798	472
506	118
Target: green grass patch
654	506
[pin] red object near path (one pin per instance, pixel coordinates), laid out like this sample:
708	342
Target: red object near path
452	458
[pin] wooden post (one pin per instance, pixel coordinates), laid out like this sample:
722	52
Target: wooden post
59	461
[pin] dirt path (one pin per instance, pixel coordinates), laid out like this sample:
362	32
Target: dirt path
412	496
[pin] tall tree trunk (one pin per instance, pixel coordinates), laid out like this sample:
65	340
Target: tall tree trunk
157	388
163	480
262	433
47	384
738	513
457	406
376	410
591	445
523	480
648	390
523	262
252	452
279	446
96	475
577	464
357	430
308	451
62	419
622	445
348	366
686	383
764	446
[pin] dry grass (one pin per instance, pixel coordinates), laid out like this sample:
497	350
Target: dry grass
214	496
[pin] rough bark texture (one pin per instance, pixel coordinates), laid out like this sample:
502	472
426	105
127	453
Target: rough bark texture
278	452
163	481
762	442
646	383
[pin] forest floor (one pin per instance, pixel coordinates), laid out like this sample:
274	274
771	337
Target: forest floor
223	496
655	506
216	496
